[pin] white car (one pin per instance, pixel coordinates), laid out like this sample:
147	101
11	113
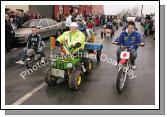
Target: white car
131	19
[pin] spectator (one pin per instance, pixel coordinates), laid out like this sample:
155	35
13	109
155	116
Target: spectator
151	27
68	21
90	25
108	18
146	27
119	20
26	17
9	14
81	16
63	18
9	34
12	14
73	17
33	16
38	16
105	20
29	16
12	23
97	21
111	18
57	18
77	18
102	19
13	39
124	20
19	20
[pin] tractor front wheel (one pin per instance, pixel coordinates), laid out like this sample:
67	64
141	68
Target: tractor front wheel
49	79
75	79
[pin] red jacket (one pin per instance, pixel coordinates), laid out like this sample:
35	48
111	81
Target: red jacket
90	25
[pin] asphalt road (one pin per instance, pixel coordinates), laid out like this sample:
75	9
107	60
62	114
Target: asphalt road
98	88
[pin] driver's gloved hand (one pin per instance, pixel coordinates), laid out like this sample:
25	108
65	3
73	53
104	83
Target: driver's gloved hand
57	43
77	45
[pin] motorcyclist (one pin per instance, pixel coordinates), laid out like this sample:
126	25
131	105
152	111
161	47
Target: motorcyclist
82	25
129	38
34	40
72	38
109	25
126	26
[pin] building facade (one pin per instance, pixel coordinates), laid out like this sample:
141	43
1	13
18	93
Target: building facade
47	11
67	9
17	8
97	9
52	11
43	10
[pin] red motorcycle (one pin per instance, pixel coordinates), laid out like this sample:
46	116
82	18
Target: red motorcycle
124	63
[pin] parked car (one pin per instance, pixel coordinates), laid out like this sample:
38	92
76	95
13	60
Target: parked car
46	27
131	19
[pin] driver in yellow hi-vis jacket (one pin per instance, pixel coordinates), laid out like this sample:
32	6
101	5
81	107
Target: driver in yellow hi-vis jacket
72	39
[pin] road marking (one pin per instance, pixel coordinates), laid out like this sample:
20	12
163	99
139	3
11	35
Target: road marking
29	94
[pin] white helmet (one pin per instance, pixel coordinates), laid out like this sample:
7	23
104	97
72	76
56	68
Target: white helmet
74	24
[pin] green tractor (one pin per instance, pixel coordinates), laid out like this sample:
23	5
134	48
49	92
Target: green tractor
71	68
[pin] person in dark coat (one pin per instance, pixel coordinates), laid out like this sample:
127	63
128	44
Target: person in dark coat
9	33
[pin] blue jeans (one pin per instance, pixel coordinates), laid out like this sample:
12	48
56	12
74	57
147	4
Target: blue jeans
133	55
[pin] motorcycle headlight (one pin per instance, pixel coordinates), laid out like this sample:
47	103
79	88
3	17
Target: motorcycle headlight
69	65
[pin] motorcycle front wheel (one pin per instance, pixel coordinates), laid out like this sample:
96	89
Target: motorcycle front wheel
30	63
121	79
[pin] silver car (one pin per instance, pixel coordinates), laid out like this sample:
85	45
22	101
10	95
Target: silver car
46	27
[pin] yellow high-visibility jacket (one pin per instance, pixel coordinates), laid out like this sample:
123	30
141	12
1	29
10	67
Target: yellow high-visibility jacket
70	39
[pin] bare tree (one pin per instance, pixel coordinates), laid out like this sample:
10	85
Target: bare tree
135	11
129	12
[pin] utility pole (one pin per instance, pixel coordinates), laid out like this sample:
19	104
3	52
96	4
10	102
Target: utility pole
142	10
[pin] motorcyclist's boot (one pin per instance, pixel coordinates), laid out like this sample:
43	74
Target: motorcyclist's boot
42	59
134	67
83	67
20	62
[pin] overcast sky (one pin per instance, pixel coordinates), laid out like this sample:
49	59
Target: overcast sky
114	9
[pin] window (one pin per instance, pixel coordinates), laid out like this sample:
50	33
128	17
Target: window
43	23
30	23
61	9
76	10
51	22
